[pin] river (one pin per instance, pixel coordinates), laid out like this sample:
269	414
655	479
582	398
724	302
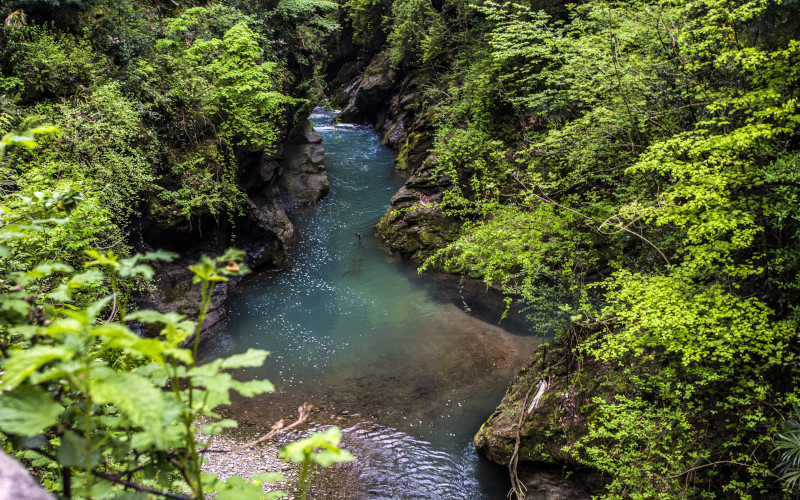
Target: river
406	374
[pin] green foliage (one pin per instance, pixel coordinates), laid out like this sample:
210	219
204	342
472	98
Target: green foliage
642	447
45	62
65	399
416	28
788	444
321	448
648	150
696	324
240	87
366	16
157	103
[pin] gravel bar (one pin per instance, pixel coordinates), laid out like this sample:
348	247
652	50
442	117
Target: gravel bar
258	459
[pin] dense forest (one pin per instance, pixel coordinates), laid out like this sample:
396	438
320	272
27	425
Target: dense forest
625	172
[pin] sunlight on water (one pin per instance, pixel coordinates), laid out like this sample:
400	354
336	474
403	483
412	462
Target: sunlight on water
408	376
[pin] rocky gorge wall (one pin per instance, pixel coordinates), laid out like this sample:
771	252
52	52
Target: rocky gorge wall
383	96
292	176
415	227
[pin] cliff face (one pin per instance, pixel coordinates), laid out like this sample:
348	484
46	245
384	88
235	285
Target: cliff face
291	177
414	226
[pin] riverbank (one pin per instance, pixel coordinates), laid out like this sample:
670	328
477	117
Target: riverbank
229	458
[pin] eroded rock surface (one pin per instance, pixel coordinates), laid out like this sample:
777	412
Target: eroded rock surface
551	423
292	176
303	179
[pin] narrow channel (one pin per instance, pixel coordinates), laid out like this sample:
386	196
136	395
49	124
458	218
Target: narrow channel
406	374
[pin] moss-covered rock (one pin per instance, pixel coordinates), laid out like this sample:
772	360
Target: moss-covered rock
547	426
550	424
416	232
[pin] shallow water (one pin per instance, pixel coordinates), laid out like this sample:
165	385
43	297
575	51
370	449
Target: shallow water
407	375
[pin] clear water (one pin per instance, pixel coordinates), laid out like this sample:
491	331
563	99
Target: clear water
407	375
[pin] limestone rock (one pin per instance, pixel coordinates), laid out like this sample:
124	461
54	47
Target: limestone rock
303	179
17	484
370	92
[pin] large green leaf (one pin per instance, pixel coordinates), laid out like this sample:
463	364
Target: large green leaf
27	411
23	362
327	442
133	395
251	358
73	451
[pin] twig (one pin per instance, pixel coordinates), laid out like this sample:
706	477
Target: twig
546	199
113	310
133	486
278	427
518	488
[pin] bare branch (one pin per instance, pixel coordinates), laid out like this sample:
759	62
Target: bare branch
304	412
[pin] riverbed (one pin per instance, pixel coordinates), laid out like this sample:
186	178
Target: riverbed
407	374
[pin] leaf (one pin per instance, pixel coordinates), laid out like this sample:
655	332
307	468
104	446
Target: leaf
23	362
329	457
95	307
150	316
129	269
251	358
86	277
252	387
233	488
328	441
62	293
27	411
73	452
160	255
134	395
267	477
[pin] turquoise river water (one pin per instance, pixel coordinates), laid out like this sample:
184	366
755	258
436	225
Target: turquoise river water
406	374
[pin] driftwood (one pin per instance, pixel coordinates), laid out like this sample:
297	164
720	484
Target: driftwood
304	412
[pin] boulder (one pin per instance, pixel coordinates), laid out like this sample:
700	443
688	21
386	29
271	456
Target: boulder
370	92
17	484
303	179
548	395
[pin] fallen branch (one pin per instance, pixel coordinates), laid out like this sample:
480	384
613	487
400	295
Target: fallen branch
304	412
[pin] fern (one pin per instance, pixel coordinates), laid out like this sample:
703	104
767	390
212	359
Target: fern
788	444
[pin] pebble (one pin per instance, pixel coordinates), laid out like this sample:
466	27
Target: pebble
258	459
